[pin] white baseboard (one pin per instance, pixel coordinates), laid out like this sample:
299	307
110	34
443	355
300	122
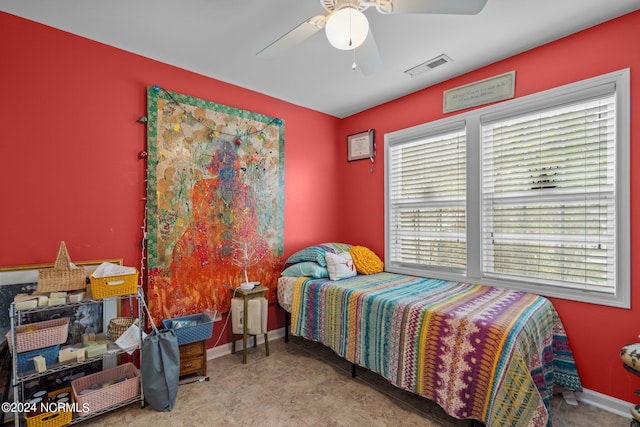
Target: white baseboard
588	397
604	402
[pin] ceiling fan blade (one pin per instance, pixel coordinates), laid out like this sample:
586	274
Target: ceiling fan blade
367	56
293	37
453	7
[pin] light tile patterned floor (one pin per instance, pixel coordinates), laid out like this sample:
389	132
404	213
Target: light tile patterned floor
305	384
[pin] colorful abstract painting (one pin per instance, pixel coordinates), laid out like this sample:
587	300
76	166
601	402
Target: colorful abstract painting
215	193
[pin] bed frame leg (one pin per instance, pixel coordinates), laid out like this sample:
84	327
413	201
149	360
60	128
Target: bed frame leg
287	322
353	370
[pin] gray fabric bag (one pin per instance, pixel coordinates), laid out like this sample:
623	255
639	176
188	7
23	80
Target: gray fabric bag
160	368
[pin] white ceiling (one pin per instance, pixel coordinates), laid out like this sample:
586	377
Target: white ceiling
219	39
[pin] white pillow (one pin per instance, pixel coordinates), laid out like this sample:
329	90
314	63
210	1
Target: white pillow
340	266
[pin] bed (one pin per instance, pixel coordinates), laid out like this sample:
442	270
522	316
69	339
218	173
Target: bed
481	353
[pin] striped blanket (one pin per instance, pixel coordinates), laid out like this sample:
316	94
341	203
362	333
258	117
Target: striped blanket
479	352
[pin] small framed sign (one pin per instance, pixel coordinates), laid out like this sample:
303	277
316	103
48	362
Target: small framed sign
361	145
485	91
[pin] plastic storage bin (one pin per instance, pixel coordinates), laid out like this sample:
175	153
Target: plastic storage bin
127	387
114	286
25	360
61	417
201	330
37	335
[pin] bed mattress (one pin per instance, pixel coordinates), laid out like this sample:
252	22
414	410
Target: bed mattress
479	352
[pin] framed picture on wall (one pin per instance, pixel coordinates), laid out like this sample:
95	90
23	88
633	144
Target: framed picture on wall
361	146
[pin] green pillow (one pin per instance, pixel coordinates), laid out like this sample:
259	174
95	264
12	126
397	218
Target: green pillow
306	268
316	253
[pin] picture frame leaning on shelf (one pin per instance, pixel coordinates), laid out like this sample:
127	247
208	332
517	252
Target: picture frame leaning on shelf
19	279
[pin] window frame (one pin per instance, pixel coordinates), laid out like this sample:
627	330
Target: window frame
448	129
538	101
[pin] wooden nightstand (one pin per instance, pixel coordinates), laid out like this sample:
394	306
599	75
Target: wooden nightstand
246	295
193	358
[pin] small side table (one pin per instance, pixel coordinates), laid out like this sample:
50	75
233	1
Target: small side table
246	295
193	358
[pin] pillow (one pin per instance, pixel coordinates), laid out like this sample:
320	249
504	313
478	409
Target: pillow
365	260
316	253
306	268
340	265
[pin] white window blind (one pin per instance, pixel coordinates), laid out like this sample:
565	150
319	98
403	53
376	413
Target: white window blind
427	201
548	196
531	193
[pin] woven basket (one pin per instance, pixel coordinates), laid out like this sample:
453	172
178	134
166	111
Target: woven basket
118	326
62	277
103	397
37	335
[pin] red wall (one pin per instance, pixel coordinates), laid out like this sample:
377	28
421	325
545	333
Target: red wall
596	333
69	167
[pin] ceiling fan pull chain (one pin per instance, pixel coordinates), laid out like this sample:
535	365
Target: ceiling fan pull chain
354	65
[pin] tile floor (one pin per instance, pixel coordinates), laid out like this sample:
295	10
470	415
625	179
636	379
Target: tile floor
305	384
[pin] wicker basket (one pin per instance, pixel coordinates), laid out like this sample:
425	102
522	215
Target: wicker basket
62	277
37	335
118	326
103	397
114	286
53	419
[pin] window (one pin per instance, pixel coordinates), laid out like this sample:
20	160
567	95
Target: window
548	202
529	194
427	200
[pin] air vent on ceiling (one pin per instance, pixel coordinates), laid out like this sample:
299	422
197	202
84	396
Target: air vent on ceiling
428	65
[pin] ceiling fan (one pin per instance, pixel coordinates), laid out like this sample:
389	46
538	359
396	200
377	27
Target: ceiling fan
347	28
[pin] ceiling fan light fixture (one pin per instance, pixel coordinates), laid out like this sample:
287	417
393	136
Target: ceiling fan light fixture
347	28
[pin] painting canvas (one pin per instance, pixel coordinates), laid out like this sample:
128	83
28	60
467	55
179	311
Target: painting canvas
214	202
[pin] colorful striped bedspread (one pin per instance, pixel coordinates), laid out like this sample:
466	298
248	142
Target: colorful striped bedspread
479	352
